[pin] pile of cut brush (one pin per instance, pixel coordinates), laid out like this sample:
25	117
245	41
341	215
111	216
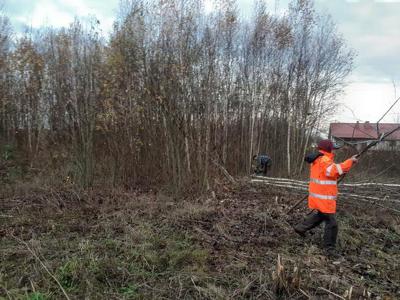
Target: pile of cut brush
235	243
384	195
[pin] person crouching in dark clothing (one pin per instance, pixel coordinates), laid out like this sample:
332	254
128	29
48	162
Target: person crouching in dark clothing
262	164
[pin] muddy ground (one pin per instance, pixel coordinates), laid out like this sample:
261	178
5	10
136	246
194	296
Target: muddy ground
146	245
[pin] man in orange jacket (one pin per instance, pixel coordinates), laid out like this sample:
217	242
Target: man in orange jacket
323	193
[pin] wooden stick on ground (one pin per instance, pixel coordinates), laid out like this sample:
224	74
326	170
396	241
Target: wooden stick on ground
297	204
226	173
332	293
43	265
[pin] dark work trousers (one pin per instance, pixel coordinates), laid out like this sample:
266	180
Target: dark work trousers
316	218
265	170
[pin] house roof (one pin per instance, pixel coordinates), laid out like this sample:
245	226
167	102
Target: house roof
363	130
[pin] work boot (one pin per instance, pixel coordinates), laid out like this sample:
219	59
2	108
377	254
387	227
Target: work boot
333	254
299	232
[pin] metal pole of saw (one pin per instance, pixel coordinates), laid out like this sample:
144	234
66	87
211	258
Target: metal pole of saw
306	196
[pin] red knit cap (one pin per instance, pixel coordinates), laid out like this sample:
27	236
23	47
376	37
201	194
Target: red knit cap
326	145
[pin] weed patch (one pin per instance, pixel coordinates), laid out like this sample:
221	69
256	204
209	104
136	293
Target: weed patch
134	247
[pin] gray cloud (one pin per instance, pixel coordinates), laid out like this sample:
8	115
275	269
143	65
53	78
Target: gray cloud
15	8
35	13
372	28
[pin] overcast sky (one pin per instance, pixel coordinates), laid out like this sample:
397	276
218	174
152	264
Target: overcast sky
371	28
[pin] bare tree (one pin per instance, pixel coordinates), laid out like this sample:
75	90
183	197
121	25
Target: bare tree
172	90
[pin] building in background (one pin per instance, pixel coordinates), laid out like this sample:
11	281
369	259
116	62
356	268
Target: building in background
360	134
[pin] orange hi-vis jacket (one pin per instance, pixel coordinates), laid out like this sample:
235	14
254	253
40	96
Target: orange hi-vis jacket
323	189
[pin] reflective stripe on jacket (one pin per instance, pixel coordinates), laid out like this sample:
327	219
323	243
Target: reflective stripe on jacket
323	182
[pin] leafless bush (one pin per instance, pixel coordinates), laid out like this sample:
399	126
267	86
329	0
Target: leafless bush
172	90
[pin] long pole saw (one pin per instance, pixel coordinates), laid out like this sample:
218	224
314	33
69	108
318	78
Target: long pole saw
366	148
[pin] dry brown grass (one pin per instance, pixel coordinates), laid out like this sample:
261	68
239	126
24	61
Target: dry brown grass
127	245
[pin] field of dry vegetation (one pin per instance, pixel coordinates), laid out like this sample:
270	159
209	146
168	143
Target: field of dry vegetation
145	244
115	152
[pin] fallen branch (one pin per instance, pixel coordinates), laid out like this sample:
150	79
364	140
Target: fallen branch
6	216
380	205
305	294
195	285
43	265
332	293
305	183
226	173
372	193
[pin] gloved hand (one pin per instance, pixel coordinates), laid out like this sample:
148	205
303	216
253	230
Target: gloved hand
354	158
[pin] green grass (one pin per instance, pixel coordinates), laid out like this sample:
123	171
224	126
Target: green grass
36	296
93	266
68	274
129	291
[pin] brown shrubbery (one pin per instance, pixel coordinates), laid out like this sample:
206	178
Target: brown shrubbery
171	90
